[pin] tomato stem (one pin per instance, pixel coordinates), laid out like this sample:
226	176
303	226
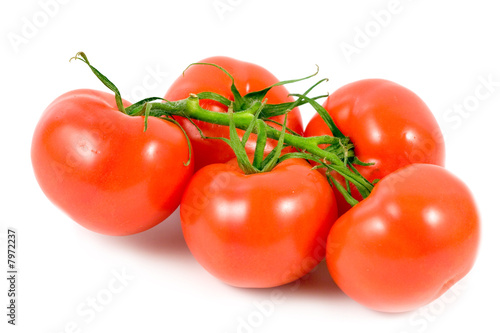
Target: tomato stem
250	113
334	155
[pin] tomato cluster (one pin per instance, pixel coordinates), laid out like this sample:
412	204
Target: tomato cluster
400	247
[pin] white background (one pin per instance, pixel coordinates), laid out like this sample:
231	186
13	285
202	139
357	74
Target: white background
440	50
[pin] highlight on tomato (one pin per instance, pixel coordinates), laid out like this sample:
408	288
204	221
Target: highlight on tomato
414	237
389	125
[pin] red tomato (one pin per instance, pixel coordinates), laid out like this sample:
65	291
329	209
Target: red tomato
413	238
259	230
248	77
100	167
389	126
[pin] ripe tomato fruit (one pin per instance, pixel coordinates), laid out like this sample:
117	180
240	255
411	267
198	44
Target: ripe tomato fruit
248	77
258	230
408	242
389	126
100	167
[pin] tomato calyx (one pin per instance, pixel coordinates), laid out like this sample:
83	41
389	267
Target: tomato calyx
251	113
260	164
244	103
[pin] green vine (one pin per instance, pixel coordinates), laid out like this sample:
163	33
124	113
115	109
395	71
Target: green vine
251	113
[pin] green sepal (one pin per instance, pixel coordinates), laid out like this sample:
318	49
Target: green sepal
345	172
305	156
343	148
136	108
260	144
288	129
214	97
356	172
118	98
324	115
356	161
237	146
347	195
273	110
279	109
147	110
238	100
260	94
272	159
251	126
190	149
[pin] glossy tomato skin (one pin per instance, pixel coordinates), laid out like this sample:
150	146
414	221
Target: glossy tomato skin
389	126
259	230
100	167
415	236
248	77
